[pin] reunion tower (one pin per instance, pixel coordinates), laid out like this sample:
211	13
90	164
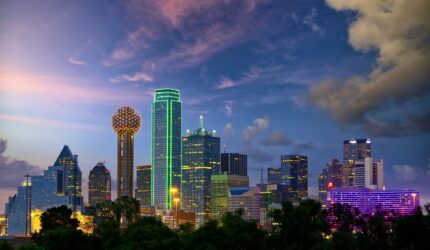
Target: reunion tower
125	122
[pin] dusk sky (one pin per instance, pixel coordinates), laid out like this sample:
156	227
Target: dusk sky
272	77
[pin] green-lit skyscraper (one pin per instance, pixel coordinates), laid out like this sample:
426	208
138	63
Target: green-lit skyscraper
200	160
166	148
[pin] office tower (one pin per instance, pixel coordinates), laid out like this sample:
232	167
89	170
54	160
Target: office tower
294	174
274	175
323	185
354	150
402	202
125	122
143	185
357	149
378	175
363	171
334	173
18	211
200	160
166	148
220	185
73	176
59	185
234	163
247	199
99	184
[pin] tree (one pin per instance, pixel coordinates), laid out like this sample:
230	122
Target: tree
109	234
149	233
58	217
299	227
4	245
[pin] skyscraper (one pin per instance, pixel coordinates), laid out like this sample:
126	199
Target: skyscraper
143	185
99	184
234	163
17	211
166	148
125	122
220	185
247	199
274	175
322	186
357	149
200	159
354	150
294	173
60	184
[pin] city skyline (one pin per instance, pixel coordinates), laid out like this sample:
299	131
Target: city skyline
259	75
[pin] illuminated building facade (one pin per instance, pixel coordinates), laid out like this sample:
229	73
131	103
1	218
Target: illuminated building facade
401	202
18	211
234	164
220	185
247	199
369	174
322	186
294	174
200	160
125	122
166	148
3	225
60	184
143	185
99	184
354	150
274	175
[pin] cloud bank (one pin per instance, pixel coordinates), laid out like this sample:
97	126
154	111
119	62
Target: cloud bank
399	30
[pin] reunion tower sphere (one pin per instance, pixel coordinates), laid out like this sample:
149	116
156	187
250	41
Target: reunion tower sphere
126	120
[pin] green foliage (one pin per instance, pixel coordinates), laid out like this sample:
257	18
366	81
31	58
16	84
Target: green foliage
4	245
299	227
58	217
67	238
302	226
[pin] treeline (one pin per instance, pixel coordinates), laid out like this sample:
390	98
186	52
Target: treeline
295	227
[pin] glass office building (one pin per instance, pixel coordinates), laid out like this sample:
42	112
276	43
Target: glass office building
166	148
18	211
59	185
294	174
99	185
143	185
200	160
234	163
274	175
220	185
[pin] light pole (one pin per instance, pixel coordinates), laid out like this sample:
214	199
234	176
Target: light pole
27	203
176	200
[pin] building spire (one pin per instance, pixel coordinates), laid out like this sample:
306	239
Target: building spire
201	121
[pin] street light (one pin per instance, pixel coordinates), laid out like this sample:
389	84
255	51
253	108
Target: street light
176	200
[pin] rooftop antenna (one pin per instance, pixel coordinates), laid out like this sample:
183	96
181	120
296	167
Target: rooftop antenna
201	121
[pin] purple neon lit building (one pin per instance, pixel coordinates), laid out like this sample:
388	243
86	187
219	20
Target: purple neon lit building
402	202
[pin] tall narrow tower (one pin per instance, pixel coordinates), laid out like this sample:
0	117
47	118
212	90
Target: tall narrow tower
125	122
166	148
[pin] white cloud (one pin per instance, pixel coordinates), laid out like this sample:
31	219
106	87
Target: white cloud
228	129
225	83
228	108
399	31
253	130
137	77
76	61
406	172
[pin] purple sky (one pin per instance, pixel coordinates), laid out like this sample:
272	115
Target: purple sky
272	77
